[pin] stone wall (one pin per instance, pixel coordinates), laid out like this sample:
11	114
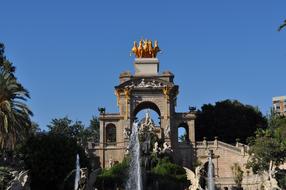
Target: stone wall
224	157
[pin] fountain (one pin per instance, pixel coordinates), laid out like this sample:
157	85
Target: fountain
211	185
134	177
77	173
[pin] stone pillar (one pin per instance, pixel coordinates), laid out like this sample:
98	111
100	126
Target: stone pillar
191	124
102	140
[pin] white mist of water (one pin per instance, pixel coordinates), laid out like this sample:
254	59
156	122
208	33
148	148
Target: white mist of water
134	177
77	173
211	185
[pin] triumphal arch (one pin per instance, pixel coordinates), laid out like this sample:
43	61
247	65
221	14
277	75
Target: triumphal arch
147	88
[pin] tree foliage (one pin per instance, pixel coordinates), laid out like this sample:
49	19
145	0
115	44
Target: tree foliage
182	138
14	113
268	144
167	175
281	178
93	129
66	127
5	63
237	174
282	26
5	177
50	158
114	176
228	120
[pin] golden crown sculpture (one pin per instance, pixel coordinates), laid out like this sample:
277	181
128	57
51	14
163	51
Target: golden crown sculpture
145	49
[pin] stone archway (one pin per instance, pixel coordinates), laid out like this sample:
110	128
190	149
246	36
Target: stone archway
146	105
137	112
186	138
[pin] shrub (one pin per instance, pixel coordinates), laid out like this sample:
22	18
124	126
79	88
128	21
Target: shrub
114	176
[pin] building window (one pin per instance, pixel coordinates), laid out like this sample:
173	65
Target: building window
110	134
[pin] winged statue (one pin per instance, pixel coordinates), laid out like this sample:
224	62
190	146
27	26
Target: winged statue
20	181
194	178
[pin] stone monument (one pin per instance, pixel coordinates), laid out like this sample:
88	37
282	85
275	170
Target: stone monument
146	89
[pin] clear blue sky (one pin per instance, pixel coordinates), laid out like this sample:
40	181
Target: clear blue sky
70	53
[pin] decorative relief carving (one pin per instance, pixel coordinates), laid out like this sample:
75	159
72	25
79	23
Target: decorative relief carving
144	84
166	92
167	131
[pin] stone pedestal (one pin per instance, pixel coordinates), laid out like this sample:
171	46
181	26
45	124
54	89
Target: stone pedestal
146	66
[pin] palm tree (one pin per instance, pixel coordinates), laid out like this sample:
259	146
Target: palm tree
282	26
14	113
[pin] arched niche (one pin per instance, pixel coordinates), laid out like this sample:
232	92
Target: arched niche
183	133
110	134
147	106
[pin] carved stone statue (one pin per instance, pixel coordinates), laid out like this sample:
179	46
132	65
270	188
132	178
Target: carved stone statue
194	178
110	162
86	181
167	131
83	178
147	123
126	132
148	120
270	183
20	181
142	83
155	148
167	148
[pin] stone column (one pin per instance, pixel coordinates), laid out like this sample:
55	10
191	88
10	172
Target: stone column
191	123
102	140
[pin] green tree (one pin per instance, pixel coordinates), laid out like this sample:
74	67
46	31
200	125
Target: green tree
66	127
228	120
90	133
50	158
94	128
5	177
115	176
237	174
183	137
168	175
281	178
14	113
5	63
268	145
35	129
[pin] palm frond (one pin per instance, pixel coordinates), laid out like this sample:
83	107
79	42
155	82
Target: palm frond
14	113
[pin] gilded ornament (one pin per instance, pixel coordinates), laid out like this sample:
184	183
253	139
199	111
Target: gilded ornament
145	49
